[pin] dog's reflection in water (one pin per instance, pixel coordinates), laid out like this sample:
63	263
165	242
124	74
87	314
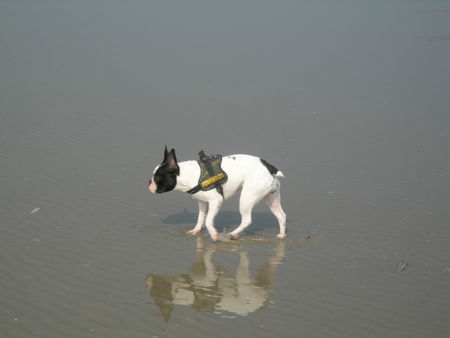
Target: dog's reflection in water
207	287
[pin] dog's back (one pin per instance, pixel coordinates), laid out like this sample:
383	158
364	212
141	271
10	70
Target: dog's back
249	165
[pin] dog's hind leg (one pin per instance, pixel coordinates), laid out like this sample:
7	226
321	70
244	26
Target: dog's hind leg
273	200
202	210
246	203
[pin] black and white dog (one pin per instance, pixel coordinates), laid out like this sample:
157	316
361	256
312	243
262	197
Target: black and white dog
254	176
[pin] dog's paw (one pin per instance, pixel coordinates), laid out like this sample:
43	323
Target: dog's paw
281	236
233	236
193	232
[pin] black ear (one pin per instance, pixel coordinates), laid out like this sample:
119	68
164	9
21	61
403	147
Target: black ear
171	160
165	154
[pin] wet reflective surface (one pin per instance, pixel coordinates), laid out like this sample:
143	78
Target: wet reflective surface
207	287
350	99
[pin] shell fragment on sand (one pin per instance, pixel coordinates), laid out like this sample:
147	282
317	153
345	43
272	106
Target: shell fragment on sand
402	265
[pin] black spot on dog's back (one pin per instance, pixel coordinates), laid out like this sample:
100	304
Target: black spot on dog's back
272	169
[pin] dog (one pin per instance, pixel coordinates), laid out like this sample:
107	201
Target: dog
256	178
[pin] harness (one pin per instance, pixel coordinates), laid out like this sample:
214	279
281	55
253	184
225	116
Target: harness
211	174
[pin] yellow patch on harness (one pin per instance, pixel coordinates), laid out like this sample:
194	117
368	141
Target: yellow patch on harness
211	180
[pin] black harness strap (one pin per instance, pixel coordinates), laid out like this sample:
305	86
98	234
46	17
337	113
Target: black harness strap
194	190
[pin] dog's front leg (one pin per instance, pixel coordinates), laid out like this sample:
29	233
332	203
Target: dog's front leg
213	210
202	210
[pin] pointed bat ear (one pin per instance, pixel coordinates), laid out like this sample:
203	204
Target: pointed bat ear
165	153
171	160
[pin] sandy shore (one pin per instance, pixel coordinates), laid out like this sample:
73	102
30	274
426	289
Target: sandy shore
350	102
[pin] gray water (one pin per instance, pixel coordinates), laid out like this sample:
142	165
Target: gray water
350	99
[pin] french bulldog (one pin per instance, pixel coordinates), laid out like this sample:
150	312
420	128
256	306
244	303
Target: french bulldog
256	178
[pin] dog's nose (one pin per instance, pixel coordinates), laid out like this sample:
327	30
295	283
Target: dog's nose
152	186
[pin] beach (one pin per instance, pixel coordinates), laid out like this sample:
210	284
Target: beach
349	99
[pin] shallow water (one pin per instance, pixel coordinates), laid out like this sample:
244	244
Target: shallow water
349	100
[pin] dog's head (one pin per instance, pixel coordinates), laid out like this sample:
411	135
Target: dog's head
165	175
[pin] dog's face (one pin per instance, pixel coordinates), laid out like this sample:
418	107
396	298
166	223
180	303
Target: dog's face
165	175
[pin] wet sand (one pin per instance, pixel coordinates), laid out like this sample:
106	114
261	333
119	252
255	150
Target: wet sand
350	101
